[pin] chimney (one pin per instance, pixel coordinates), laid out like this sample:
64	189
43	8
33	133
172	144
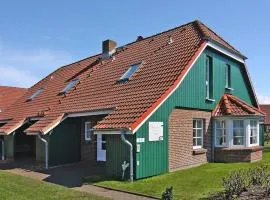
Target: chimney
108	47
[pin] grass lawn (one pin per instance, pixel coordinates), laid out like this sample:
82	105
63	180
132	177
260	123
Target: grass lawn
19	187
192	183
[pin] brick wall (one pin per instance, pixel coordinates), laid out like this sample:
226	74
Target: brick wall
238	155
89	148
181	153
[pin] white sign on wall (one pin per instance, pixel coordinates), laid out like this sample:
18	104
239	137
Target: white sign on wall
155	131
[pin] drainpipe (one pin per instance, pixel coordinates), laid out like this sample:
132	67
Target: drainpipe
130	152
3	149
46	150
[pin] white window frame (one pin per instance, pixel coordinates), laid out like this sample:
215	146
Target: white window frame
227	75
202	128
257	133
86	124
229	132
225	128
244	136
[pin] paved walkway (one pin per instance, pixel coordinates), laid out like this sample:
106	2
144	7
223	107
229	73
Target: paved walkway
110	193
70	176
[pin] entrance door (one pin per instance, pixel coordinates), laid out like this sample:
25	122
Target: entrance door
101	147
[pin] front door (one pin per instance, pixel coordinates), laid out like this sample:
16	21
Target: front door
101	147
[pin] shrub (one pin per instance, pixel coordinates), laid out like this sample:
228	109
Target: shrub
236	183
168	194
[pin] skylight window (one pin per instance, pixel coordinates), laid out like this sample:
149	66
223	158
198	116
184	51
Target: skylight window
40	90
132	69
70	85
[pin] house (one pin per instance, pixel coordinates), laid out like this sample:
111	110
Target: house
266	109
8	95
173	100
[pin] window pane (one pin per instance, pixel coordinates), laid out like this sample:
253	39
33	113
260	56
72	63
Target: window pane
69	86
219	132
194	142
199	132
238	141
253	140
194	132
194	123
238	132
132	69
199	123
199	141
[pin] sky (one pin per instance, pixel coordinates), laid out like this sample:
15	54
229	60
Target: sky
37	37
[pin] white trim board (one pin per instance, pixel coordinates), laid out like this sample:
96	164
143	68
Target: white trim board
210	44
110	132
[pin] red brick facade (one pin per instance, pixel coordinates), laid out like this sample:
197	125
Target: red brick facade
181	152
89	148
250	154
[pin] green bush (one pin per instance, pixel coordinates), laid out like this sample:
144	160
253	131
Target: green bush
235	183
168	194
240	181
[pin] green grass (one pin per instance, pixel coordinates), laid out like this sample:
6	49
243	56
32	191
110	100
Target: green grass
193	183
20	188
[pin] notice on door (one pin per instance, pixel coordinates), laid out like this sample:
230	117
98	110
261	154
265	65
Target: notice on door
155	131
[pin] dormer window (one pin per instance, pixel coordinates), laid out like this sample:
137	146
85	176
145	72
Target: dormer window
70	85
127	75
40	90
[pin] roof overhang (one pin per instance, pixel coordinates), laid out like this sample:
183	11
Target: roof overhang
62	117
14	128
111	132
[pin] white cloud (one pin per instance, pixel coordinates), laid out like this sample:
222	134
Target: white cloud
263	99
17	77
24	67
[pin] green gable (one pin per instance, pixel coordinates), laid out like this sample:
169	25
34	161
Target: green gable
153	156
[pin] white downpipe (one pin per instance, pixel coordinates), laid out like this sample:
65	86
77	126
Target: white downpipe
46	150
130	151
3	149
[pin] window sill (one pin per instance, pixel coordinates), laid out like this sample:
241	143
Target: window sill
199	151
228	88
87	141
211	100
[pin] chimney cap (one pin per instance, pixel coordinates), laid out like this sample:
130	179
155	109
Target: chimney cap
139	38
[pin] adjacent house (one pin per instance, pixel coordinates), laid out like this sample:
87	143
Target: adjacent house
8	95
266	109
173	100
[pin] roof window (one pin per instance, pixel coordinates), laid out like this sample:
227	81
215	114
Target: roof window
70	85
131	70
40	90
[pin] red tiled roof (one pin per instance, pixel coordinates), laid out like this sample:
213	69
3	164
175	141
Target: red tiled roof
233	106
163	67
8	95
266	109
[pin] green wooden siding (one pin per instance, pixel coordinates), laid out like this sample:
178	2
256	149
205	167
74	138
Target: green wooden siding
116	153
64	142
153	157
9	146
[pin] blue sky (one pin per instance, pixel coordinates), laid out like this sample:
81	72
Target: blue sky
37	37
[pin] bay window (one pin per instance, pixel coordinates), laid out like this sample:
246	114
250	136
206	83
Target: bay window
236	132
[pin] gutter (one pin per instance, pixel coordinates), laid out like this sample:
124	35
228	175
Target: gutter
46	150
130	152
